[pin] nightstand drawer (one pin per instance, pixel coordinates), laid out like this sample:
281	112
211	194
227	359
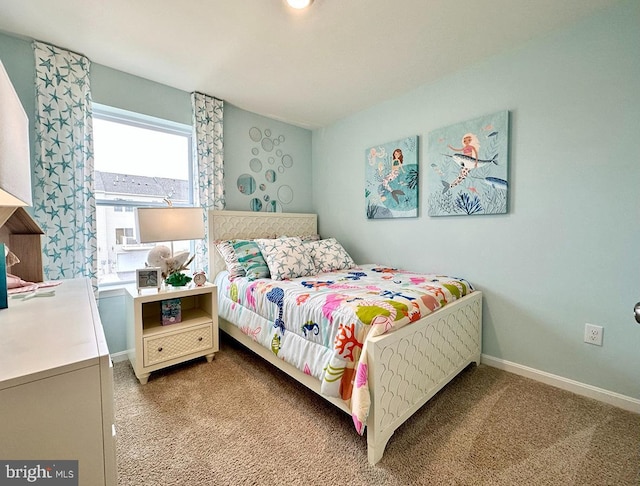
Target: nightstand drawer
166	347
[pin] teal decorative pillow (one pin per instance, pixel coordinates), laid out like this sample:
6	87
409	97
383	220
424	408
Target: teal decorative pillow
250	258
286	258
329	255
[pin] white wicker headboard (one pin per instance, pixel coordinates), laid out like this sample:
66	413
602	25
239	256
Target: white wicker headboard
227	225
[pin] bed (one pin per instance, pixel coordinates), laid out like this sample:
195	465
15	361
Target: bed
405	366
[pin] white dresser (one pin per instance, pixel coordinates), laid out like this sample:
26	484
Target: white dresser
56	383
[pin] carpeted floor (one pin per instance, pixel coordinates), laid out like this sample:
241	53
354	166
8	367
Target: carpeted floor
239	421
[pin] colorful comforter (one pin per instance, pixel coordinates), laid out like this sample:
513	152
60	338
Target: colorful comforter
320	324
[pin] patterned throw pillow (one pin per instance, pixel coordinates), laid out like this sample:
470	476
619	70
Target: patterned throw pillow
329	255
228	254
286	258
250	259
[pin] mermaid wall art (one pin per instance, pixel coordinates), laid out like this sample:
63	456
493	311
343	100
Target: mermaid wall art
391	187
468	167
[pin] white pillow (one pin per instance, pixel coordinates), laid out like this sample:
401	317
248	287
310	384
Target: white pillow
286	258
329	255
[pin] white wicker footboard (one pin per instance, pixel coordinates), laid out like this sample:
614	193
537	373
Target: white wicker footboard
410	365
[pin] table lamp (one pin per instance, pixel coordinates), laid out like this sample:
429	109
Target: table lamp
169	224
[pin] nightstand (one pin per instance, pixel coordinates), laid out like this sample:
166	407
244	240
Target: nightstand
152	345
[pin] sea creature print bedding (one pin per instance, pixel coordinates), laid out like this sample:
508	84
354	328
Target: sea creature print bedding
320	324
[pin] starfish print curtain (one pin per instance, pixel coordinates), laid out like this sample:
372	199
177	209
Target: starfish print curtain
208	164
64	202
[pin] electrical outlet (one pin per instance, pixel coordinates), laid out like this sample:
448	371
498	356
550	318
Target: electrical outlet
593	334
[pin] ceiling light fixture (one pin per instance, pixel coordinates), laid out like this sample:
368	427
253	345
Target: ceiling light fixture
299	4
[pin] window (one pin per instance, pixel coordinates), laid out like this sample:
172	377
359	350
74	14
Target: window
139	161
124	236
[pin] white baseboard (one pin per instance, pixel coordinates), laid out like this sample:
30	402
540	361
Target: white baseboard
121	356
606	396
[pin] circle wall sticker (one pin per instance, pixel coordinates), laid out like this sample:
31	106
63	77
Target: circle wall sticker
287	161
267	144
255	134
246	184
285	194
256	204
270	175
255	165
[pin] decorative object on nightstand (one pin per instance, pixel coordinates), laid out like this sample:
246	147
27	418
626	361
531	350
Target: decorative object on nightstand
153	346
199	278
148	278
169	224
178	279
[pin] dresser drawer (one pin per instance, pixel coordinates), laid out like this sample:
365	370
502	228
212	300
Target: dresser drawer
166	347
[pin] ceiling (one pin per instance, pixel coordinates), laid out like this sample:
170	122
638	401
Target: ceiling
308	68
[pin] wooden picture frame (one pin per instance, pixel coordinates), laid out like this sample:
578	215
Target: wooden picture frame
148	278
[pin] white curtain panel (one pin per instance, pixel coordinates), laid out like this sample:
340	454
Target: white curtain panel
208	165
64	200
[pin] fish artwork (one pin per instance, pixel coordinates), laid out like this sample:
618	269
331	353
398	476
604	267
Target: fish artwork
496	183
467	164
471	162
469	170
275	344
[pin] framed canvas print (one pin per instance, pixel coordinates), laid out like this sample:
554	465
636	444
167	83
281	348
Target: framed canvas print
391	186
468	167
148	278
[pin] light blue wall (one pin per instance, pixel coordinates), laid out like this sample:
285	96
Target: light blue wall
111	307
567	251
127	92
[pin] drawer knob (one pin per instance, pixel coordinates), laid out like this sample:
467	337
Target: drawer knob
160	349
200	338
